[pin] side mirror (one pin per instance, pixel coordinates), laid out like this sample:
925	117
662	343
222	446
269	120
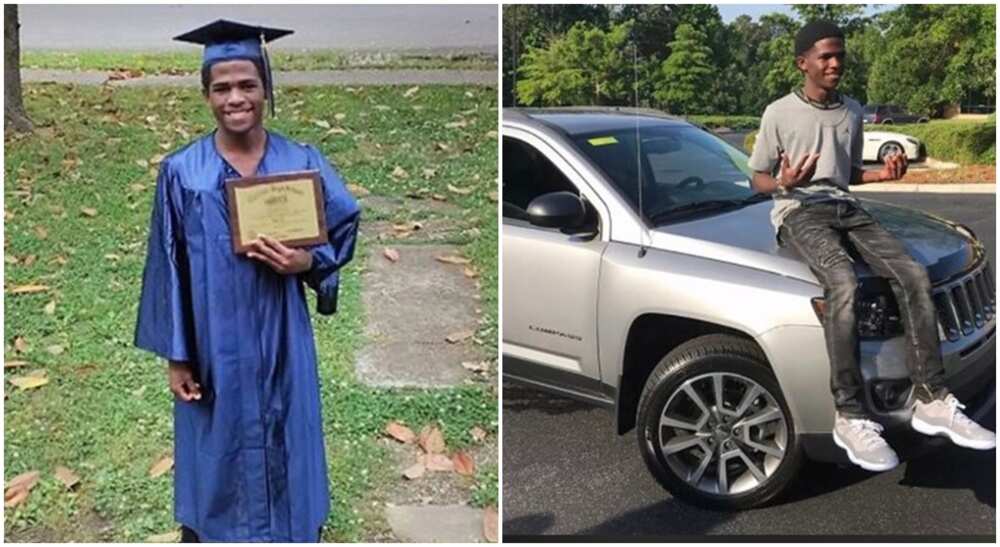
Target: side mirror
557	210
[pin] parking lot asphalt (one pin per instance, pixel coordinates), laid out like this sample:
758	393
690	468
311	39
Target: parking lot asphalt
567	472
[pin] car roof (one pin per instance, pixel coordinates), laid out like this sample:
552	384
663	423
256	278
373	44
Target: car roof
579	120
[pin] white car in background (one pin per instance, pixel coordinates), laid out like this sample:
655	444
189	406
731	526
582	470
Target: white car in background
879	144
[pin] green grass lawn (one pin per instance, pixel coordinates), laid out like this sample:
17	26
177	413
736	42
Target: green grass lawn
174	62
106	412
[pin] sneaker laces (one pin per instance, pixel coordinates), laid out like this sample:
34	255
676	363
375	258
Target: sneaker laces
956	412
869	432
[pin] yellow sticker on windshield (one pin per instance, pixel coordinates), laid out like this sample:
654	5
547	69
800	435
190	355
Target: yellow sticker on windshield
602	141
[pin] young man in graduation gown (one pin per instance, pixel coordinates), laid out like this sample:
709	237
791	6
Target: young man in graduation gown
235	329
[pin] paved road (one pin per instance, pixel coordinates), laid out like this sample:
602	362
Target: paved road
565	471
151	27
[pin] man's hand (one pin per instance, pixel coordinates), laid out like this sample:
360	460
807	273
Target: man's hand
280	258
801	173
182	382
894	167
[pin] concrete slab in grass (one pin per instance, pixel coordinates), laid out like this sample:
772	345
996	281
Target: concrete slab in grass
412	305
436	523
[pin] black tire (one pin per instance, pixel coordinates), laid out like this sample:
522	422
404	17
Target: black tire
887	121
888	147
715	353
923	120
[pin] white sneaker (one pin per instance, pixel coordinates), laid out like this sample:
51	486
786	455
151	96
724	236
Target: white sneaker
862	439
944	417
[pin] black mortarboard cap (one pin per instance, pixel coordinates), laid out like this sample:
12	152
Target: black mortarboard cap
228	41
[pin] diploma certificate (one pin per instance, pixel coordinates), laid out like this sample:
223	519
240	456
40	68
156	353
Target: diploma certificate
286	206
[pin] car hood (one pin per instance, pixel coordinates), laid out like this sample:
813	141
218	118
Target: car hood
746	237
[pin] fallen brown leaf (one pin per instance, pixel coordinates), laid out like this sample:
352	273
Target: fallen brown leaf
18	488
357	190
50	308
452	259
67	477
15	364
470	273
400	432
26	480
431	440
400	173
30	259
391	254
478	434
166	537
407	227
415	471
14	497
442	146
411	92
438	462
490	524
161	467
456	125
89	211
493	196
439	197
28	289
41	232
20	344
457	337
459	190
322	123
482	366
463	464
29	382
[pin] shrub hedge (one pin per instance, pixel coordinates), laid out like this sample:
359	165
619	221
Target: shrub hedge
732	122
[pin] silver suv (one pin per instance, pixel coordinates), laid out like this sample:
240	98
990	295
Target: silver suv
688	320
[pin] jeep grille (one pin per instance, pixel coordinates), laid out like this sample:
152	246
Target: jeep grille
965	304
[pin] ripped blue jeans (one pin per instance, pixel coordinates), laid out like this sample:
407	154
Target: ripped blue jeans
816	232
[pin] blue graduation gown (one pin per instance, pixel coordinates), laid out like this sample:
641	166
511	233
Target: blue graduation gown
249	455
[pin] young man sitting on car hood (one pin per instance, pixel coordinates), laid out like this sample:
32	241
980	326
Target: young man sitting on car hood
808	152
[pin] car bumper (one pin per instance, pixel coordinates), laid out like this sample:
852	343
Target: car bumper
971	376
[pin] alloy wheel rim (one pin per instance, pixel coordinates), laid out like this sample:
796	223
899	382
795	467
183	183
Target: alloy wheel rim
890	149
723	433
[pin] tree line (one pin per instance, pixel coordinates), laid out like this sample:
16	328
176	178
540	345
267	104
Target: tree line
684	59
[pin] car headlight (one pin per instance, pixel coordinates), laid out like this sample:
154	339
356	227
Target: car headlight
877	315
914	142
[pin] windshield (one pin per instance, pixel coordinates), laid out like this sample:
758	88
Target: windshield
682	166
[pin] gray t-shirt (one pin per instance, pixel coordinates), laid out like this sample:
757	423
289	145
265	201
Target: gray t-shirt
800	129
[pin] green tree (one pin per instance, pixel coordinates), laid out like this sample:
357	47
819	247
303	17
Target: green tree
849	17
688	73
935	55
587	65
781	75
535	25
